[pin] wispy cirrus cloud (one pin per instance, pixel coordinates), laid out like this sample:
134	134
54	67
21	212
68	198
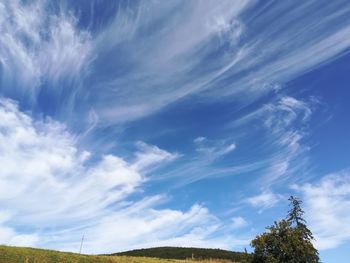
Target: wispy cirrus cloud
214	148
150	155
202	163
272	145
327	202
282	126
43	55
253	63
238	222
50	49
264	200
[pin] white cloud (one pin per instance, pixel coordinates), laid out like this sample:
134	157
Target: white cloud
254	59
40	158
57	192
264	200
214	148
202	164
44	48
287	121
149	227
279	129
327	206
238	222
38	47
162	58
11	237
67	53
150	155
199	140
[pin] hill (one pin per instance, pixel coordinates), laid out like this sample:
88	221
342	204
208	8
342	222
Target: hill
187	253
33	255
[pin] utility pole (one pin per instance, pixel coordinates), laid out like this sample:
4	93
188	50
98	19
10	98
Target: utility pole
81	244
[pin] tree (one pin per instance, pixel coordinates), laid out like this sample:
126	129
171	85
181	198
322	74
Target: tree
287	241
295	217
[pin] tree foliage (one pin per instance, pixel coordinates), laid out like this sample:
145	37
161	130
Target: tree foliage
287	241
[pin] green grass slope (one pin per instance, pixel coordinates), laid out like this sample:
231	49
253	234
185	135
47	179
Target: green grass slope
186	253
32	255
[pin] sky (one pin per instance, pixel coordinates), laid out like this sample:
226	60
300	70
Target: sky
173	123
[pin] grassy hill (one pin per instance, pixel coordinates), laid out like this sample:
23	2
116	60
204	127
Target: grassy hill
186	253
32	255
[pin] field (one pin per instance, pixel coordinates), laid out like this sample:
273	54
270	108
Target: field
30	255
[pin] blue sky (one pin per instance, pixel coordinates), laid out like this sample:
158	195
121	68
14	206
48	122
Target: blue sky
185	123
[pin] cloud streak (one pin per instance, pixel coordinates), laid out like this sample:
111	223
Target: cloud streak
327	203
57	192
51	49
281	126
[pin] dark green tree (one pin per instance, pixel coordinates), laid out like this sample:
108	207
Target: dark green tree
286	241
295	217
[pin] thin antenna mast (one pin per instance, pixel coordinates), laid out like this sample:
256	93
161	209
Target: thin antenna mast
81	244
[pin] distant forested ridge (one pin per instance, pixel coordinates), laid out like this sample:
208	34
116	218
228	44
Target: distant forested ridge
186	252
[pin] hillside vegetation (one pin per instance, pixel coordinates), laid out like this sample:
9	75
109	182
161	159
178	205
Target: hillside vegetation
31	255
186	253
